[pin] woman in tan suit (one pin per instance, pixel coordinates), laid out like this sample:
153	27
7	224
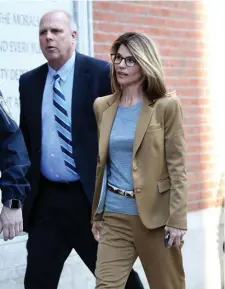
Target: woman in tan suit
139	207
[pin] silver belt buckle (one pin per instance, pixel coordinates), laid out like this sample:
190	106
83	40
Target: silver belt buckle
128	194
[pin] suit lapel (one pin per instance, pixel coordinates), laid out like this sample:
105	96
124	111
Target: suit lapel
80	89
105	128
143	122
38	90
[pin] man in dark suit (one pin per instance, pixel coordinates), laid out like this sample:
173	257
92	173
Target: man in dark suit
14	164
60	132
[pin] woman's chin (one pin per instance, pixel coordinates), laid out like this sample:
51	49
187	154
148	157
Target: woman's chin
122	82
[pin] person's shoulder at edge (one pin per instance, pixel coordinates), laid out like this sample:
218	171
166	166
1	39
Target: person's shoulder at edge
32	73
169	103
102	103
93	62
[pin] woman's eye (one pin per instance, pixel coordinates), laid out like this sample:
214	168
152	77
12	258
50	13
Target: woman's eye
131	60
118	57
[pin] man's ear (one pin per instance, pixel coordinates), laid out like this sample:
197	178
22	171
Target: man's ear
74	36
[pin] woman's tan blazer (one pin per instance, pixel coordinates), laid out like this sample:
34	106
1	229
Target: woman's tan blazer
159	176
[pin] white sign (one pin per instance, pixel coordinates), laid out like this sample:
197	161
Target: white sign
19	44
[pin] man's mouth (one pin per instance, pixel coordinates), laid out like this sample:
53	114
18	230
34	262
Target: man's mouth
50	48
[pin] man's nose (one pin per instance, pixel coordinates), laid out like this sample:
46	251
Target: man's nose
49	35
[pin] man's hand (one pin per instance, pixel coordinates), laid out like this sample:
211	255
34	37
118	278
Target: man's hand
176	236
96	229
11	222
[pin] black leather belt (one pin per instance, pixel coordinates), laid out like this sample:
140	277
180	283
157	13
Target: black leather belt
127	194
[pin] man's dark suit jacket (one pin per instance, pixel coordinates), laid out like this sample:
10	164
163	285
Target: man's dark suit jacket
91	80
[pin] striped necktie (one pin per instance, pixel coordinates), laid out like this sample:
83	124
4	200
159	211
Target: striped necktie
63	125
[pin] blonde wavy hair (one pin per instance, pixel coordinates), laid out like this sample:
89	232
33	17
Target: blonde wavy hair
146	55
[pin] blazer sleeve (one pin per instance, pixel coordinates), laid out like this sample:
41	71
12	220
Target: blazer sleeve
97	216
96	112
175	159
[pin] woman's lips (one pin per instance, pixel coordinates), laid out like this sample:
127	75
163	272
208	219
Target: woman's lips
122	74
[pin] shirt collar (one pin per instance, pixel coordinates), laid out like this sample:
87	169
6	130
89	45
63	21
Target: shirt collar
65	69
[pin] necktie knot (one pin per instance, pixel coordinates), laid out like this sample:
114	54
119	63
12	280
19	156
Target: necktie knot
56	76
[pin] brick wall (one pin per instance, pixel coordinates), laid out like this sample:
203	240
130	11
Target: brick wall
178	29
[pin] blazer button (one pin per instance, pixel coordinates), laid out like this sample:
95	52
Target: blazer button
38	150
134	168
138	190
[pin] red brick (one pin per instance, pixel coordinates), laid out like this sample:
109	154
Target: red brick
193	206
100	37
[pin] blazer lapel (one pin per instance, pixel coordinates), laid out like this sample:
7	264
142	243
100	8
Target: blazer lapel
80	90
143	122
105	129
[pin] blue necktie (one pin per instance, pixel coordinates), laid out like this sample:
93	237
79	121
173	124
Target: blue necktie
63	125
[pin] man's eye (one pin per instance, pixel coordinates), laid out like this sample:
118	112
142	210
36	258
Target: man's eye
42	32
55	30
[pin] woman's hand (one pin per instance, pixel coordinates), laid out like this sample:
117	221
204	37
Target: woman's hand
176	236
96	229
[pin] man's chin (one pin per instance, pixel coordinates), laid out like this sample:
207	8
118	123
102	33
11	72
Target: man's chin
51	56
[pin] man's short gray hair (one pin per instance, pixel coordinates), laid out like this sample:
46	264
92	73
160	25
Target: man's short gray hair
72	22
